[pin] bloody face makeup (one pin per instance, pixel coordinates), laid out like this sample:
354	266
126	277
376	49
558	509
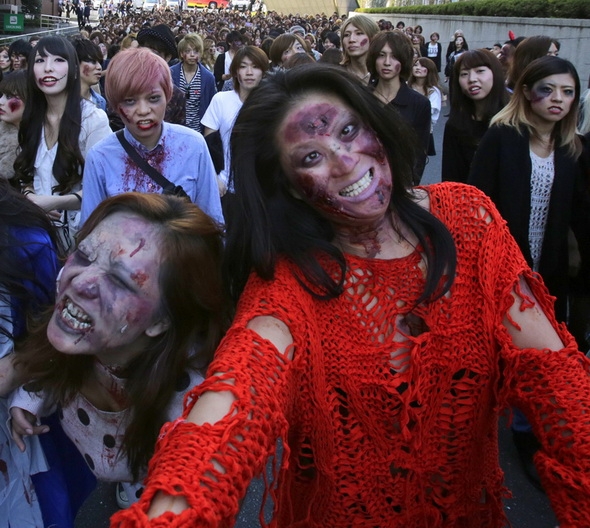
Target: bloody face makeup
335	161
11	109
90	72
387	66
355	42
109	294
551	98
5	63
51	73
143	115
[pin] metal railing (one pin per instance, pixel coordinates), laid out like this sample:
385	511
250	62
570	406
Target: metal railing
50	25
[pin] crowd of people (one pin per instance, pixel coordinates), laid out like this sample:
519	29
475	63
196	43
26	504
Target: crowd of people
216	253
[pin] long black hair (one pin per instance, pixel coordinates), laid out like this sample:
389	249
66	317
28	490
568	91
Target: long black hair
69	163
462	111
266	220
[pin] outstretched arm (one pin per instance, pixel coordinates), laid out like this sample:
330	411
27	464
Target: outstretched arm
204	463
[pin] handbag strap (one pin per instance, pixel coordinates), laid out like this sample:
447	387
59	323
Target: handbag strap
161	180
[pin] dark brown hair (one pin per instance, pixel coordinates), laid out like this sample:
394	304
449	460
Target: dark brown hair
191	298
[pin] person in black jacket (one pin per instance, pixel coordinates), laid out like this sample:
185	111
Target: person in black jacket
528	164
433	50
390	61
235	40
477	94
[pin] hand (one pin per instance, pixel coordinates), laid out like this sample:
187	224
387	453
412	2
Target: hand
23	424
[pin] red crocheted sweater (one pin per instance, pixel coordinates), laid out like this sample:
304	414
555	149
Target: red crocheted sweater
380	433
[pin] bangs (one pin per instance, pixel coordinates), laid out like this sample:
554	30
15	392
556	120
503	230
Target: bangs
55	46
135	71
474	59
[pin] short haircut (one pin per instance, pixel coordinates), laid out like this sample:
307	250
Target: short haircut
134	71
87	50
20	47
281	44
401	46
255	54
192	40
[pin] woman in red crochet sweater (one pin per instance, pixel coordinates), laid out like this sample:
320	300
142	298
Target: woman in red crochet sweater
379	332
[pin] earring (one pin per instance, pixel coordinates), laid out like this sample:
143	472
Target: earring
123	329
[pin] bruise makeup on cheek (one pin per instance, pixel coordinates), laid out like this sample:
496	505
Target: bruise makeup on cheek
364	42
369	144
123	114
14	104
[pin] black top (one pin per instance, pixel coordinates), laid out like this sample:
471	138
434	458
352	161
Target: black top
502	169
415	110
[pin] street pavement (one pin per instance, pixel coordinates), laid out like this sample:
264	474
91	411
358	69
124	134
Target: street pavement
528	507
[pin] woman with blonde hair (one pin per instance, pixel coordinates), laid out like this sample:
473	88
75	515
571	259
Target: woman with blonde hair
209	54
527	163
356	34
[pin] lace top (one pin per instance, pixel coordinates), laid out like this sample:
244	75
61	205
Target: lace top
542	174
388	420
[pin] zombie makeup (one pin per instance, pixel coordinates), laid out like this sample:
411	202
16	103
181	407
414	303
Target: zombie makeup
335	161
90	72
354	42
387	66
551	98
109	283
5	62
143	115
11	109
51	73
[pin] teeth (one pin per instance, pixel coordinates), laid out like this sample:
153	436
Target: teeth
357	188
79	319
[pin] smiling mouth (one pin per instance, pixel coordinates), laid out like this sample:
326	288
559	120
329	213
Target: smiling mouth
49	80
358	187
74	316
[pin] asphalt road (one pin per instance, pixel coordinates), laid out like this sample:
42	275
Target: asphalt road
528	507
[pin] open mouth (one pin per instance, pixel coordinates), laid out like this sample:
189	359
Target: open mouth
145	125
74	316
358	187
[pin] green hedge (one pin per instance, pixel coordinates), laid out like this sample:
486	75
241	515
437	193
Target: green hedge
498	8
